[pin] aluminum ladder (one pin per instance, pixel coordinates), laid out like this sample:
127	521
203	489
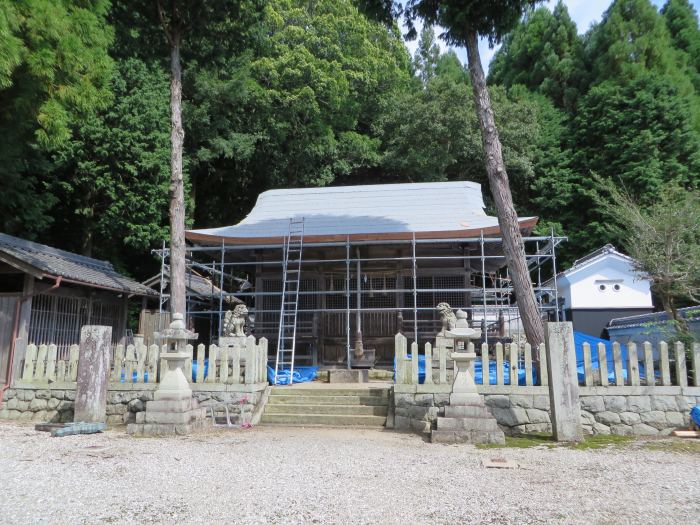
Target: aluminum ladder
286	337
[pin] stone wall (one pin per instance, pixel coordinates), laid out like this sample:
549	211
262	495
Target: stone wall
55	403
641	411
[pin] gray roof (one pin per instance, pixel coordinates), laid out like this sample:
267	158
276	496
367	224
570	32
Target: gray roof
42	260
381	211
690	313
197	285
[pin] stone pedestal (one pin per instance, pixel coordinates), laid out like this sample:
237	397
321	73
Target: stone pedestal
173	410
467	420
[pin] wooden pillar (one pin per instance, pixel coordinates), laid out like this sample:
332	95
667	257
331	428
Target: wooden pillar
25	313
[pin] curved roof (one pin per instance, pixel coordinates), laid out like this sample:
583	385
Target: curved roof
372	212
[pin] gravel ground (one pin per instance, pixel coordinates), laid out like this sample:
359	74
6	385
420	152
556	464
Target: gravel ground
305	475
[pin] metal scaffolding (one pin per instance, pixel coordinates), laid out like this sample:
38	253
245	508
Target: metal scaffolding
488	295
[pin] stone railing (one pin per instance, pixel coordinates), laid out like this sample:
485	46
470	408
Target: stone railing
139	364
510	364
637	389
643	365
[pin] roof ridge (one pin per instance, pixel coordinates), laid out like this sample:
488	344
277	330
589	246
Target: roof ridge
37	247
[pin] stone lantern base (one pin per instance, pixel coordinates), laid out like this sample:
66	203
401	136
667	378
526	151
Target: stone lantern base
467	420
173	410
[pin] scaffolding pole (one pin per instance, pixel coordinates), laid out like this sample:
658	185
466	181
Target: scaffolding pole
554	277
415	291
221	288
483	287
347	299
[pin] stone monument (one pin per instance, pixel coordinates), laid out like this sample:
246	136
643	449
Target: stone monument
173	409
93	374
467	420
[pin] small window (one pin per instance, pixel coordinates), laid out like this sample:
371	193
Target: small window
617	287
602	287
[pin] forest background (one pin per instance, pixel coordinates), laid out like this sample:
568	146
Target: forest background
291	93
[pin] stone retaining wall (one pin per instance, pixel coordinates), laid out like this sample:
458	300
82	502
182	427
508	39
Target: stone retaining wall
55	403
641	411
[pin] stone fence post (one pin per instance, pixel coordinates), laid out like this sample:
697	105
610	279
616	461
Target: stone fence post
563	382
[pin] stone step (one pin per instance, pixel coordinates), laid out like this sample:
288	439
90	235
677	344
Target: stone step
354	410
468	436
314	392
476	423
323	419
328	400
460	411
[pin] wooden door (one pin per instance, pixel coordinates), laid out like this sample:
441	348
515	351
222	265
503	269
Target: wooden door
8	303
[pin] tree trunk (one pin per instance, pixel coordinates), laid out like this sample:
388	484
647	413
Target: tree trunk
513	246
177	193
670	308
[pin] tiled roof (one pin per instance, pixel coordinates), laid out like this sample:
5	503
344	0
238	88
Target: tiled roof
380	211
690	313
197	285
70	266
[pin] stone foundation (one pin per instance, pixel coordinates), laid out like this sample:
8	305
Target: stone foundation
54	404
640	411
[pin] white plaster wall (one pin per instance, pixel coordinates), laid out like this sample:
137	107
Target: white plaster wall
582	288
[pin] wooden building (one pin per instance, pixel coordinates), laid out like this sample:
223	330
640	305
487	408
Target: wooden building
376	260
47	295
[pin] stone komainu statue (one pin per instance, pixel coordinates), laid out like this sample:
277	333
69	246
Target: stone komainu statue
234	321
448	317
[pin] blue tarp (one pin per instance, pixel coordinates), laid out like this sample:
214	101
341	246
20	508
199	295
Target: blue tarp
579	339
194	369
302	374
478	372
695	414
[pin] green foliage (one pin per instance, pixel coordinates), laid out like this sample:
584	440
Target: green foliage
427	54
544	53
682	22
432	134
663	238
491	19
112	177
54	69
298	108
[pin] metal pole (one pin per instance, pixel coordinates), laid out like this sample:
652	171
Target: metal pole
221	287
554	270
347	299
358	331
415	292
483	286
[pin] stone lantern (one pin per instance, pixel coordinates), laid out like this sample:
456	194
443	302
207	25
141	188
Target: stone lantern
173	409
466	418
464	387
173	383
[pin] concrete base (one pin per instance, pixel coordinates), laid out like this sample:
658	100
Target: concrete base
348	376
168	417
468	422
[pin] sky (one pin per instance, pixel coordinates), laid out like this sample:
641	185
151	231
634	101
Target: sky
583	12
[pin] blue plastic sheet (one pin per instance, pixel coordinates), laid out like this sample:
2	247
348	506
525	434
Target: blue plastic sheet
194	369
302	374
478	374
695	414
580	338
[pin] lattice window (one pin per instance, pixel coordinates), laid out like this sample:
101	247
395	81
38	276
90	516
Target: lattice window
57	319
338	299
